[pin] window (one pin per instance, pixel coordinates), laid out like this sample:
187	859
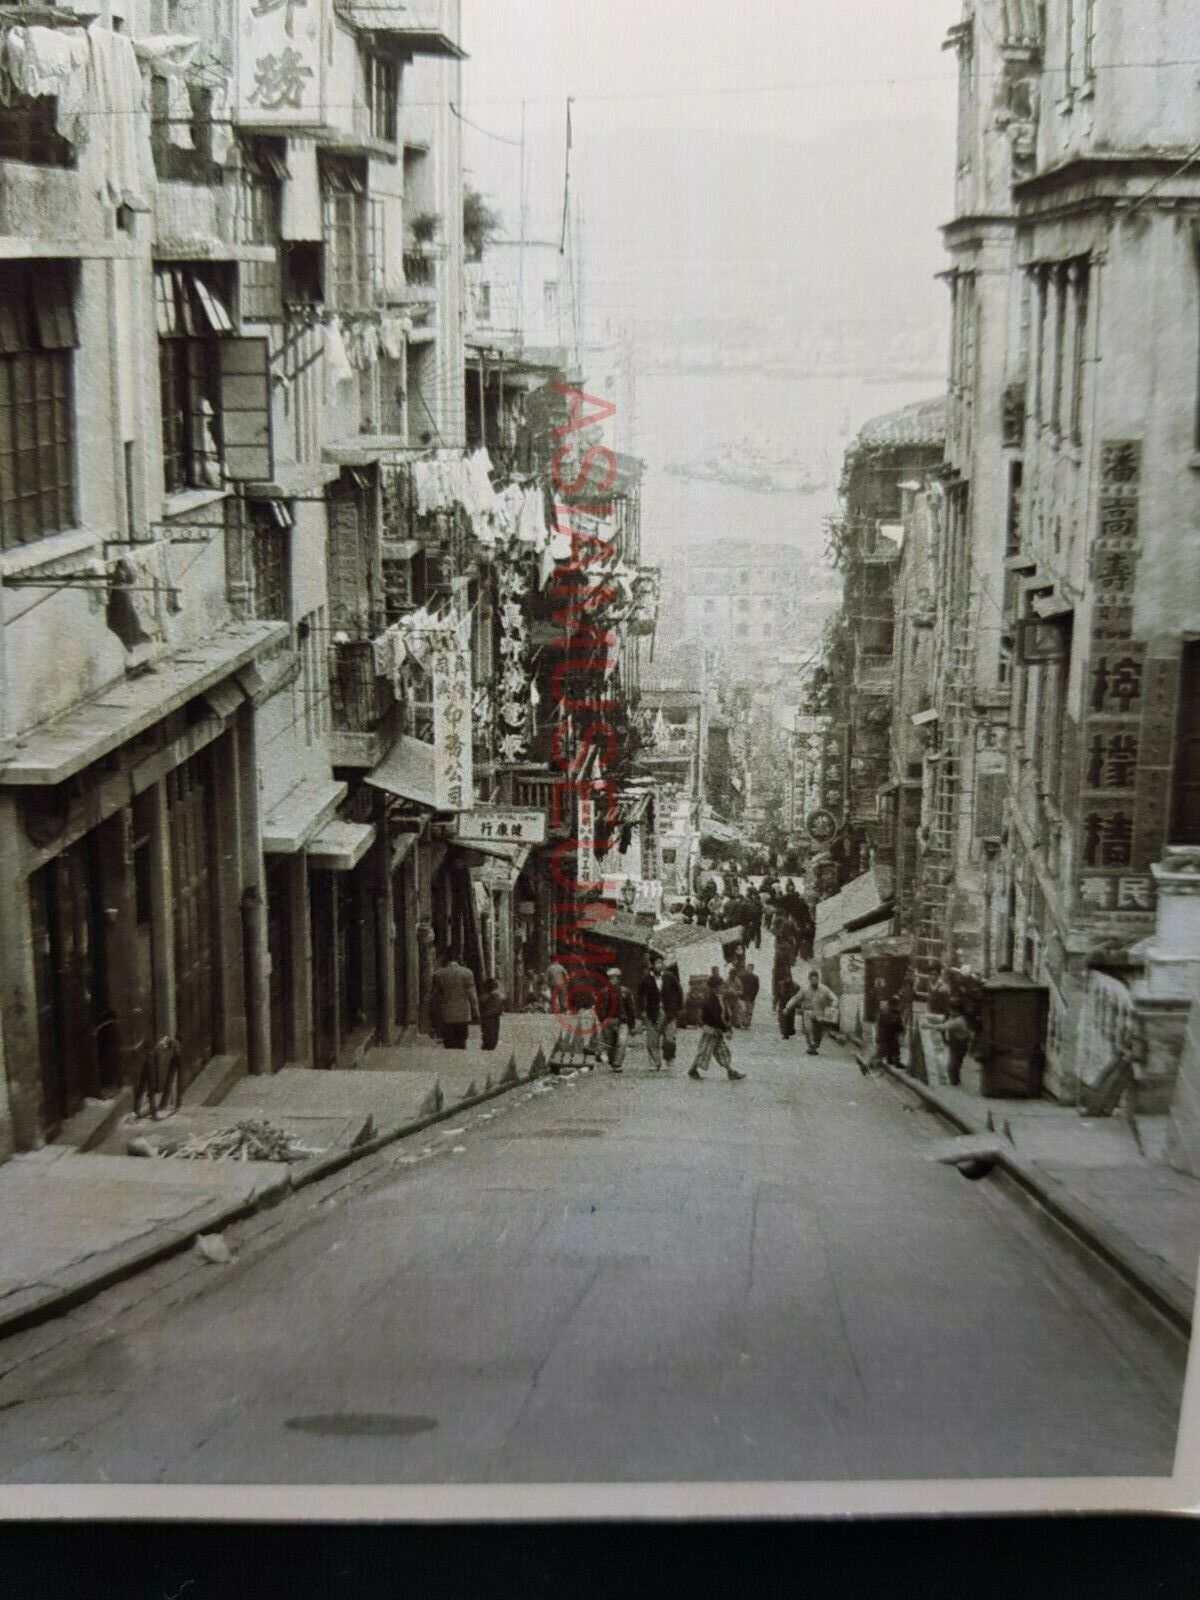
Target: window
29	130
383	93
1185	778
550	299
1042	292
377	246
191	314
483	303
344	227
1060	347
259	199
1081	278
181	131
37	436
1089	41
270	541
1069	44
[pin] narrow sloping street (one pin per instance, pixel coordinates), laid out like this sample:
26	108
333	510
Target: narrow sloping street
637	1277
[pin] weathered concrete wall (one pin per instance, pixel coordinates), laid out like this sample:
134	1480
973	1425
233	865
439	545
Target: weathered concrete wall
1183	1134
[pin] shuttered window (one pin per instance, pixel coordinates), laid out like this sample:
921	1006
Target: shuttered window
344	226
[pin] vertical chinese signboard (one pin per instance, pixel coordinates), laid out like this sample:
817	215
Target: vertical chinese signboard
280	62
1119	835
450	671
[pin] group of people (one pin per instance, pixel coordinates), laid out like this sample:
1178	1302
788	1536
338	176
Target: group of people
455	1005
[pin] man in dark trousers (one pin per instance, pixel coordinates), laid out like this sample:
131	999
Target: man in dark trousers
715	1030
651	1009
889	1029
751	984
621	1024
673	1004
453	1003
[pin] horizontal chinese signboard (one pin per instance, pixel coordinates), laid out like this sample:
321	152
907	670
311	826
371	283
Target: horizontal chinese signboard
279	78
501	825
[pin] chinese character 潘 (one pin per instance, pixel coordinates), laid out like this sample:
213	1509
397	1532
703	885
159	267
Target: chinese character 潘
279	80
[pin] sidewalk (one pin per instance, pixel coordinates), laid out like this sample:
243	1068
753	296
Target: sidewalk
1125	1203
77	1222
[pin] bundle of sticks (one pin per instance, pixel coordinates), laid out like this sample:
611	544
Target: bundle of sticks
249	1140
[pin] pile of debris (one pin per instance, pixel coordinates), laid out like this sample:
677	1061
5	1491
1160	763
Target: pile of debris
249	1140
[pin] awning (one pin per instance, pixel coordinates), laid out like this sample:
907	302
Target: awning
861	904
340	846
57	751
407	771
294	820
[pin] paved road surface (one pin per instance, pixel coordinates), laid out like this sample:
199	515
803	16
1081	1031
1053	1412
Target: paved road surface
621	1278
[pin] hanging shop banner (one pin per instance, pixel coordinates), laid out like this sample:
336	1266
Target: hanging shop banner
279	73
450	673
501	825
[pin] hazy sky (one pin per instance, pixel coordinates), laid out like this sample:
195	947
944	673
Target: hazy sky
706	130
662	62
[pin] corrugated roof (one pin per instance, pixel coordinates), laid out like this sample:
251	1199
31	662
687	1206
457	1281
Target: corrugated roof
922	423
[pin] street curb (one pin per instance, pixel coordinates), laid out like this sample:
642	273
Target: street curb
135	1258
1169	1295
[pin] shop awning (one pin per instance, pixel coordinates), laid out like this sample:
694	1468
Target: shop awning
340	846
864	903
53	753
407	772
293	821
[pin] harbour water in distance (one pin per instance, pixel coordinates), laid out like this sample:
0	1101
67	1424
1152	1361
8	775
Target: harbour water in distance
751	426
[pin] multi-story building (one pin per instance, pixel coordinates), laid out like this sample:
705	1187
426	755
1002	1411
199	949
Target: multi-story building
264	633
1103	606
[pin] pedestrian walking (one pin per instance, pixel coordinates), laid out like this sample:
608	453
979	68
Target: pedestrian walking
673	1004
618	1027
818	1008
702	913
785	990
956	1031
652	1010
715	1030
889	1029
556	977
754	925
491	1009
453	1003
751	984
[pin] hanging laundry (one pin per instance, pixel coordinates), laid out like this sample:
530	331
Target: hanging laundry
52	61
117	97
369	344
338	370
171	56
531	524
300	215
391	337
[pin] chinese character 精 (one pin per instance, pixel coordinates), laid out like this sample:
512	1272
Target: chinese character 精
1108	841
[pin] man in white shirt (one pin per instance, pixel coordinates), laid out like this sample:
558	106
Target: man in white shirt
818	1008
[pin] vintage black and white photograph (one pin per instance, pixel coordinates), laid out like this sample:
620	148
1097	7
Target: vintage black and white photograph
599	747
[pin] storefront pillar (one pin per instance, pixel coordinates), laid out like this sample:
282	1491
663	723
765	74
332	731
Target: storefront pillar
19	1004
162	901
300	955
254	896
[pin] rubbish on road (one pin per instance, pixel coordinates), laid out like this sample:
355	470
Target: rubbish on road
248	1140
213	1248
974	1155
459	1150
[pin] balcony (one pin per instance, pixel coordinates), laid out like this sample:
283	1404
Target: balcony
365	713
534	791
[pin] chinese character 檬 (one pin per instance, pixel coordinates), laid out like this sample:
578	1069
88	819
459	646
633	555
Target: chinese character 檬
279	80
1113	761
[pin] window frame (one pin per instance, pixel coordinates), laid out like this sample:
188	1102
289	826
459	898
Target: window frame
39	482
345	230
